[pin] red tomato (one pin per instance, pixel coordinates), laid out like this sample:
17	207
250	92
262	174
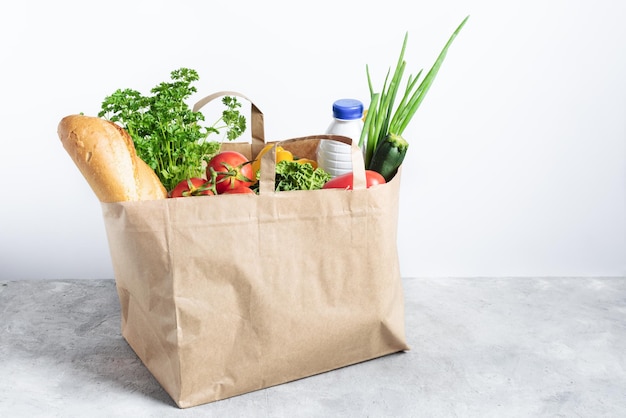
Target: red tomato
194	186
344	181
238	190
232	169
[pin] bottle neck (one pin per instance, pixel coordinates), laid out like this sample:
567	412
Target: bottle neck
348	120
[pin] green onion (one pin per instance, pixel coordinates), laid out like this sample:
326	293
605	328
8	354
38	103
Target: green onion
368	128
382	118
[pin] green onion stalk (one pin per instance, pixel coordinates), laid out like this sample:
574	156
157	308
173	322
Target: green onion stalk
385	122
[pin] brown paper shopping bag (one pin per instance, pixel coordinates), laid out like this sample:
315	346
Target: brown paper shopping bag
223	295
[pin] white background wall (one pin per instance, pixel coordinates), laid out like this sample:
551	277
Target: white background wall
517	164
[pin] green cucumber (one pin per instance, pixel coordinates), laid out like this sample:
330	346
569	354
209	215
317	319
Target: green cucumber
388	155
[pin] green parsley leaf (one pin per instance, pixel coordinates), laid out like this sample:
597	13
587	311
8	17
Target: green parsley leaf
167	134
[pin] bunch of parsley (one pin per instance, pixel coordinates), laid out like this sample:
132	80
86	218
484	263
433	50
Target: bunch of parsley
167	133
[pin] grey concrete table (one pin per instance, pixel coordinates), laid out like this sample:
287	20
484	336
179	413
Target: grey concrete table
509	347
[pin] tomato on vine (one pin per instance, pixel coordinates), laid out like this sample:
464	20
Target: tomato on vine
194	186
229	170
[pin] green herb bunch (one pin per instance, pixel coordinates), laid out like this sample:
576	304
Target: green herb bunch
167	133
292	175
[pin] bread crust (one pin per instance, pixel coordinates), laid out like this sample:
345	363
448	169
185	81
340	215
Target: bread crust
105	155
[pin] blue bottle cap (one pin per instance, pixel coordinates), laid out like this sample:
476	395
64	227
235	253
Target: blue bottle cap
347	109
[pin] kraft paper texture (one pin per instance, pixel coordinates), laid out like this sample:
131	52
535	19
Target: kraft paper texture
223	295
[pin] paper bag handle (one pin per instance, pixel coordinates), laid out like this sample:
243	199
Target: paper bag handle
257	129
268	162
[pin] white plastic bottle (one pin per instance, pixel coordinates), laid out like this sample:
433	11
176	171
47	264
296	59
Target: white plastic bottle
335	157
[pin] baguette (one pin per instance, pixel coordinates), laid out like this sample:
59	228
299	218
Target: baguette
105	155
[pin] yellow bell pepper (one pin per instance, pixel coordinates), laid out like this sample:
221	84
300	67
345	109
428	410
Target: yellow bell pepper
281	154
307	160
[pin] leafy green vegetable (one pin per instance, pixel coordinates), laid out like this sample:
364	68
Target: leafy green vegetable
382	118
167	134
292	175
